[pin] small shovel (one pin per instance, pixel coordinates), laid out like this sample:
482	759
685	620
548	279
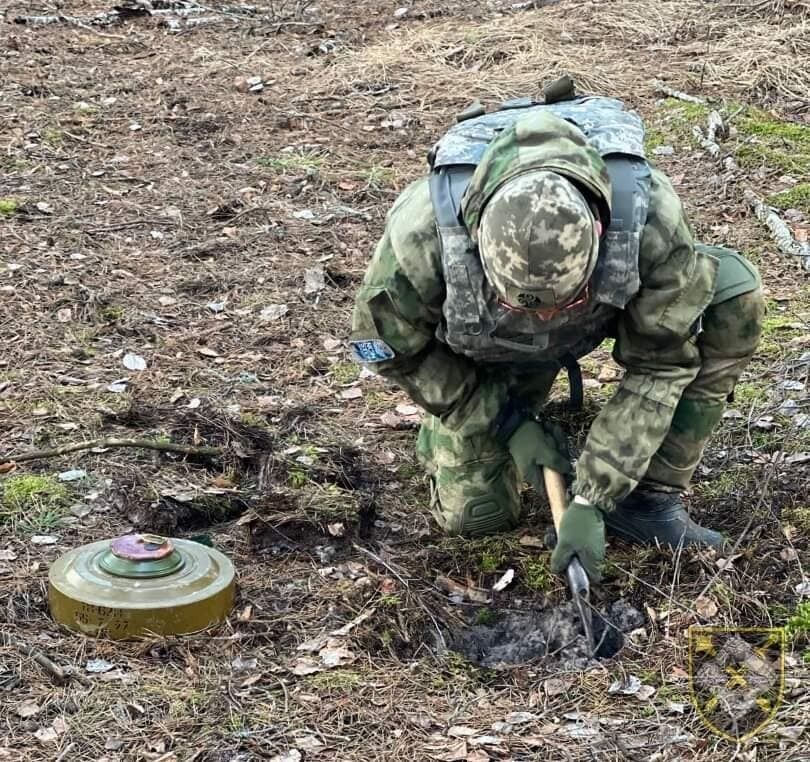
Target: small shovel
577	578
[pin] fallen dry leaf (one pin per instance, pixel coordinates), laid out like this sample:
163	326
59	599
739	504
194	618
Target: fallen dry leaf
706	607
46	735
27	708
407	410
451	587
788	554
530	541
391	420
461	731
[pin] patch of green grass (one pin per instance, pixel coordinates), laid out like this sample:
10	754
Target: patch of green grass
537	573
33	501
693	112
653	138
297	478
482	554
379	176
797	197
747	394
490	562
53	137
799	622
486	616
378	401
775	330
253	419
284	163
725	484
8	206
345	372
390	601
110	313
799	516
672	122
773	142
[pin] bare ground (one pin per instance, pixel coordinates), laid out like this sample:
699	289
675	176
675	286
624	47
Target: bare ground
149	205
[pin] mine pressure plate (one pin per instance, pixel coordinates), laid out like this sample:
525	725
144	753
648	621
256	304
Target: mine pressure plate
140	585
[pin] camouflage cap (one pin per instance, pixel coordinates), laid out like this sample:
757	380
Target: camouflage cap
538	240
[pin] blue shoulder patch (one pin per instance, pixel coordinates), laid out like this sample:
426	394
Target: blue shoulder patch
371	350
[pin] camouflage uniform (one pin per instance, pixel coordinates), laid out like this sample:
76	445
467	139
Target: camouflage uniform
677	376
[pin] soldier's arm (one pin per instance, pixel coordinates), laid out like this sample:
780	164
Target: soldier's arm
656	345
396	312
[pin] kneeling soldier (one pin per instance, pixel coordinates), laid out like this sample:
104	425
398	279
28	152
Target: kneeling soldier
541	231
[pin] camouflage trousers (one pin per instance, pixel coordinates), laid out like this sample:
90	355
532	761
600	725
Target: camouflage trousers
474	483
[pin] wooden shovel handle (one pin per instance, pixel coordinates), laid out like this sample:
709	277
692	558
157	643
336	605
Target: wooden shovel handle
555	489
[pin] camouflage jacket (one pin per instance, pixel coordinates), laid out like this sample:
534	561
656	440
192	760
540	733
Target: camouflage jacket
399	309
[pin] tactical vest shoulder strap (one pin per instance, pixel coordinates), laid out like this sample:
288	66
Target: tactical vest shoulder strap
447	186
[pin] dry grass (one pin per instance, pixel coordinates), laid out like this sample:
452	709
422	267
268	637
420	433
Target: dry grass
605	47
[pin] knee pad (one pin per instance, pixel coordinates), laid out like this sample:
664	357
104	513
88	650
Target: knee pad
486	512
735	275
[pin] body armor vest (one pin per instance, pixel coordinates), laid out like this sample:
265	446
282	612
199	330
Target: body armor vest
475	323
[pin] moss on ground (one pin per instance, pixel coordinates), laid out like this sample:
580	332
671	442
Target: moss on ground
653	138
798	516
799	623
728	481
33	501
345	372
8	206
672	122
797	197
773	142
776	330
484	554
693	112
537	573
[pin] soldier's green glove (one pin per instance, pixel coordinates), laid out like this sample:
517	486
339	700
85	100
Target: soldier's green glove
581	534
534	445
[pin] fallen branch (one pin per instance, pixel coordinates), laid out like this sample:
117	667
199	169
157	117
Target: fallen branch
678	94
780	232
146	444
53	669
715	129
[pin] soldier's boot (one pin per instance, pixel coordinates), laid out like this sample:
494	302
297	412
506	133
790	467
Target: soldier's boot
658	518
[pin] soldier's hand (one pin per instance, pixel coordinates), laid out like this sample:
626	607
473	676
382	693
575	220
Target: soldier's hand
534	445
581	533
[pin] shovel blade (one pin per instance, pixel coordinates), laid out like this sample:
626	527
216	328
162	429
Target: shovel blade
581	593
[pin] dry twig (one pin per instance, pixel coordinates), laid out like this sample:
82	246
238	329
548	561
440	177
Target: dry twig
147	444
671	92
780	232
53	669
